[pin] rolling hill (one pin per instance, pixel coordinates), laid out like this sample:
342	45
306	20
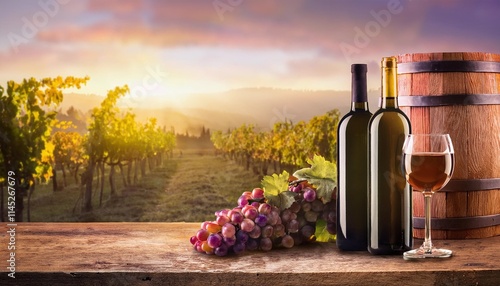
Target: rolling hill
221	111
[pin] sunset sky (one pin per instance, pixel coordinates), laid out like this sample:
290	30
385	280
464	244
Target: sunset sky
167	49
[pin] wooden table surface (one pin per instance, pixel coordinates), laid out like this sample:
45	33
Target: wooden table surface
161	254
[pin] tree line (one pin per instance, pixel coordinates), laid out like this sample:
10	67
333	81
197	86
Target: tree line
286	147
33	151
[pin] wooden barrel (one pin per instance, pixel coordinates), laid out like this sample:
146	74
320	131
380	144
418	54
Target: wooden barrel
458	94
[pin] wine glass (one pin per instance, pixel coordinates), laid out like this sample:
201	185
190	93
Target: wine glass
428	163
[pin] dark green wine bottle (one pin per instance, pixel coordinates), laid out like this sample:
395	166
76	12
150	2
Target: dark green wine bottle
389	195
352	162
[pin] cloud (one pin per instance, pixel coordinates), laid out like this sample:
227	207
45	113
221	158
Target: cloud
258	24
119	7
296	25
294	43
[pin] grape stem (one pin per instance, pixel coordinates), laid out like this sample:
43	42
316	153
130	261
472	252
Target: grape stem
296	182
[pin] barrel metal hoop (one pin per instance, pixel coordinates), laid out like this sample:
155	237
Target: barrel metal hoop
458	223
456	185
448	66
449	99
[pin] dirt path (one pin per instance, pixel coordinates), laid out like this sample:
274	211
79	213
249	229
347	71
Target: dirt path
188	188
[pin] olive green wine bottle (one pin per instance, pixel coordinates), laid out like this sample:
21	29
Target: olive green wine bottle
389	195
352	162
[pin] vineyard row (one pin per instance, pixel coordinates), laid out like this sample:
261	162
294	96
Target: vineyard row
31	151
286	147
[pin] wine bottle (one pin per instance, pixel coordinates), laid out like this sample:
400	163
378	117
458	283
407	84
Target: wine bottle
389	195
352	167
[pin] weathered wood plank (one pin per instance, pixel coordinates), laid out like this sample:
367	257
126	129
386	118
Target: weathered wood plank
160	254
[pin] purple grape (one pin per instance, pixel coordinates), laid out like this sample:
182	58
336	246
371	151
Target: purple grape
293	226
251	213
266	244
285	215
229	241
252	244
222	219
297	238
241	236
267	231
302	221
295	207
261	220
242	201
296	189
258	194
287	241
214	240
255	233
221	250
332	217
272	218
311	216
307	231
331	227
202	235
247	225
193	239
239	247
306	206
236	217
309	195
279	230
222	212
265	209
228	230
317	206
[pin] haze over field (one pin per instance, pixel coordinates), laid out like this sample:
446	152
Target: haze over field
260	106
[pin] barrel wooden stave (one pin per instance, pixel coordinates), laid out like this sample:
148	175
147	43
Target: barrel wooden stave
475	132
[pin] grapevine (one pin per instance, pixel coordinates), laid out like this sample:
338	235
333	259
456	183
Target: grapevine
286	146
285	212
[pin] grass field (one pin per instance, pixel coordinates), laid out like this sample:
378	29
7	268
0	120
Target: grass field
190	187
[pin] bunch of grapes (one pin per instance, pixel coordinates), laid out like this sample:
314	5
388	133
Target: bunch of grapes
255	224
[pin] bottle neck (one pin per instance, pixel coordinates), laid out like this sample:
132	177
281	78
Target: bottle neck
359	106
389	102
359	96
389	87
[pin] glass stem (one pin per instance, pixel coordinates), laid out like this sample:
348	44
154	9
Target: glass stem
427	205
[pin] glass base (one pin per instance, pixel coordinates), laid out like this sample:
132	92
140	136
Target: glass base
426	253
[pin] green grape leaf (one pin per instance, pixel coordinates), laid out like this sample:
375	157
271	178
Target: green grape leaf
276	190
283	200
322	234
322	175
